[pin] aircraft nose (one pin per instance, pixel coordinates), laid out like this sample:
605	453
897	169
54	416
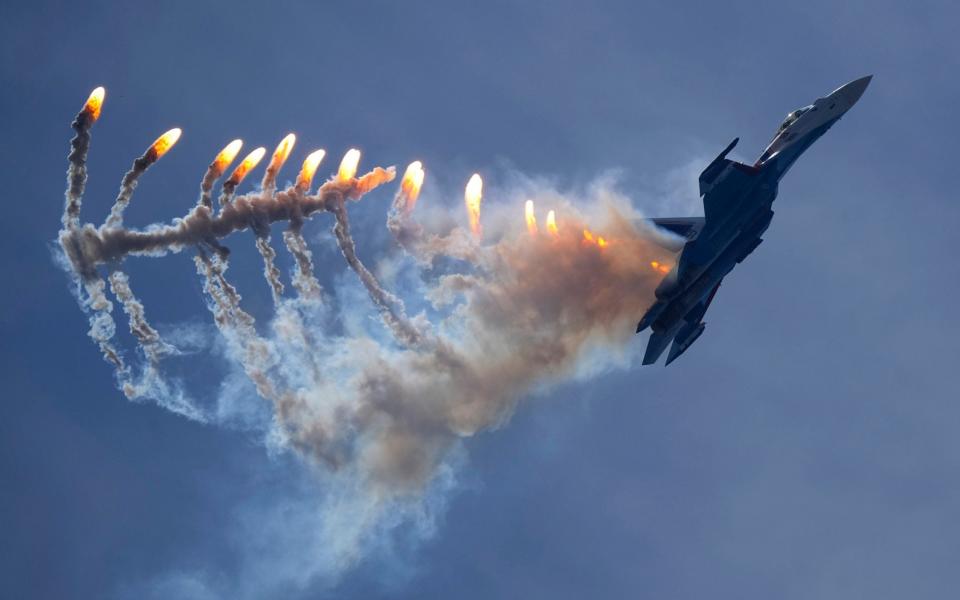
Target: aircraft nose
853	90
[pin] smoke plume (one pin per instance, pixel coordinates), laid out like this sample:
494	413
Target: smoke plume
505	309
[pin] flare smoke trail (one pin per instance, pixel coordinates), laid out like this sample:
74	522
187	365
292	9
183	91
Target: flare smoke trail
304	281
102	325
391	307
236	325
77	159
269	186
215	171
148	337
514	309
140	166
270	271
406	231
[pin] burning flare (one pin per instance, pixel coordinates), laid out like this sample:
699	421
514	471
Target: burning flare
657	266
382	417
411	183
348	166
94	104
472	197
309	168
282	153
164	143
280	156
245	167
589	238
226	156
530	217
552	223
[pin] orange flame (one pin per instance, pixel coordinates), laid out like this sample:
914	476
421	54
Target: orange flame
371	180
348	166
282	153
309	168
660	267
472	196
589	238
530	217
411	183
246	166
95	103
165	142
552	223
226	156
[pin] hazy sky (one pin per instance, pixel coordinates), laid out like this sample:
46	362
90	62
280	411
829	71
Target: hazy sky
805	447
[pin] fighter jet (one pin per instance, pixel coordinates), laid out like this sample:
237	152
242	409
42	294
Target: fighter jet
737	206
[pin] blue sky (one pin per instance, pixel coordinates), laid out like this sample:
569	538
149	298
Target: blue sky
805	447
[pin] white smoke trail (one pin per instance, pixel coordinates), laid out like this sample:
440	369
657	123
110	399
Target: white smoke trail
304	280
149	339
506	315
237	326
270	271
129	183
391	307
102	325
150	381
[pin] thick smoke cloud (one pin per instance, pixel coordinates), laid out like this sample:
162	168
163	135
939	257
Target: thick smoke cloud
382	414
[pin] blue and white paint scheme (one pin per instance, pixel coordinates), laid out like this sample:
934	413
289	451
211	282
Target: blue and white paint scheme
737	203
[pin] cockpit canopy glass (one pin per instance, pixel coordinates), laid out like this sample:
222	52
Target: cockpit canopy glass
792	117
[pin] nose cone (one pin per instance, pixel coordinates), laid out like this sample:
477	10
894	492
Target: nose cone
850	93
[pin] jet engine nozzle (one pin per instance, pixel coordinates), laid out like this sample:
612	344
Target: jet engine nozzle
669	286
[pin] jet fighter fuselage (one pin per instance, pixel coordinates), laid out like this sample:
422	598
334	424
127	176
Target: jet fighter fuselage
737	202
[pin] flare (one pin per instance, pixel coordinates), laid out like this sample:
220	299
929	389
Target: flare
473	194
348	166
309	169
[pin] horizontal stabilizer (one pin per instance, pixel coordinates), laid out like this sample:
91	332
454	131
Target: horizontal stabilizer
684	340
696	313
658	343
